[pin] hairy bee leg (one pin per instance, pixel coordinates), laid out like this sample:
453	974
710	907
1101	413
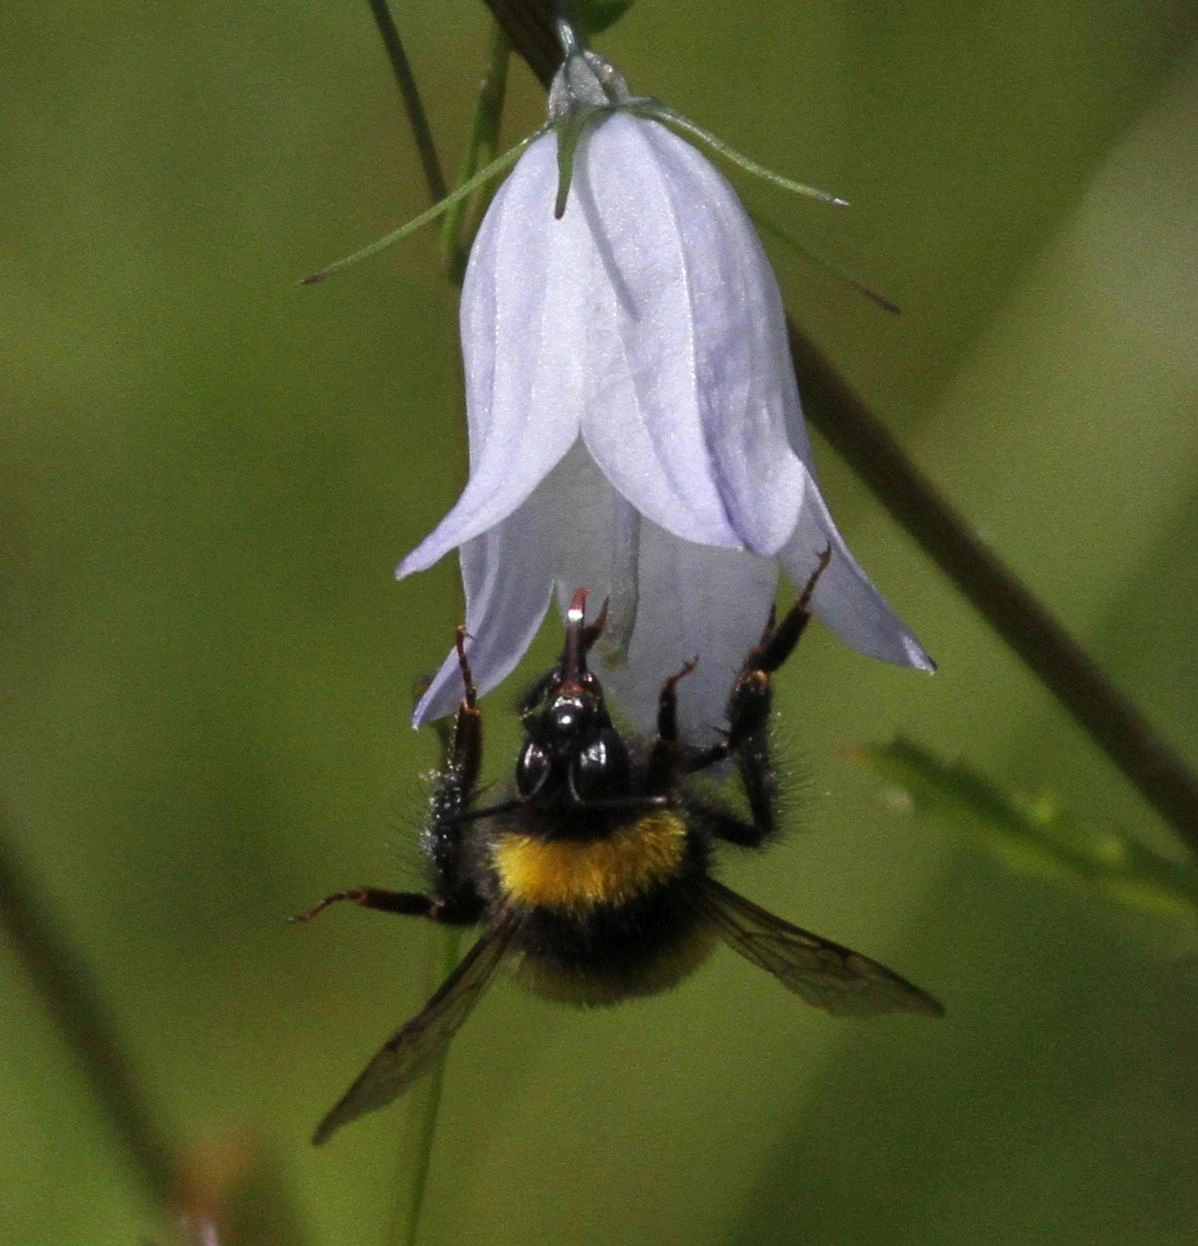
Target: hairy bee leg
750	700
663	760
453	793
458	777
667	704
407	903
749	704
728	827
470	692
779	639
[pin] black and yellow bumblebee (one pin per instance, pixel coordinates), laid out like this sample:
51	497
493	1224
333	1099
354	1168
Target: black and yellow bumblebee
593	878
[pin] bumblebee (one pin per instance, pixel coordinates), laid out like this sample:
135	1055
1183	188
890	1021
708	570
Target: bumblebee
593	878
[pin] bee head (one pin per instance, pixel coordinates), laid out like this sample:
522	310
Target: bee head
573	754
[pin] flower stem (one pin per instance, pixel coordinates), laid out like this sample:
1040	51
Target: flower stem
533	33
66	989
485	128
767	226
1110	719
462	220
429	1113
410	94
568	34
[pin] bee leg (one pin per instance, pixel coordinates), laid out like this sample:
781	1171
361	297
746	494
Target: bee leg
747	743
453	791
779	639
664	762
463	750
751	697
728	827
409	903
747	740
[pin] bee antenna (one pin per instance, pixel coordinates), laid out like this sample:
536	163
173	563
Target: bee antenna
594	629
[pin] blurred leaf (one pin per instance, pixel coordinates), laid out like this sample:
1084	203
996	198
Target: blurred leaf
1036	835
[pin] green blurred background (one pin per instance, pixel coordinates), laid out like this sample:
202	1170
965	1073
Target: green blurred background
208	475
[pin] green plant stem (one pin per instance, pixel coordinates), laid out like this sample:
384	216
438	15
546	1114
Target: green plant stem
1035	836
413	105
429	1114
1110	719
463	218
486	126
533	34
64	984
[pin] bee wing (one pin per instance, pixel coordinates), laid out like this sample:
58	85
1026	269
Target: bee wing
415	1049
831	977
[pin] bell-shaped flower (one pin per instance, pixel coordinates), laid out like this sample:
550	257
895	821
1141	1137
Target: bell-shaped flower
634	426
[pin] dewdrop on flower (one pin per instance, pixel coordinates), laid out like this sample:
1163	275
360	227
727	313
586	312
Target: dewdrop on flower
634	422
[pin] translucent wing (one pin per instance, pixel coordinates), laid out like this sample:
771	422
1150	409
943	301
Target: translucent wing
415	1049
831	977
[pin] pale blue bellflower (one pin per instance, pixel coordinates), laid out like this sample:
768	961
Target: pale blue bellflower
634	422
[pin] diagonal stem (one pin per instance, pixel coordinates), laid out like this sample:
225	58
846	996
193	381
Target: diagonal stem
70	997
407	1230
462	220
413	105
1110	719
533	33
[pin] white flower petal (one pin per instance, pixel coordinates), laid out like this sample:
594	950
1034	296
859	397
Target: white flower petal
476	512
845	599
522	362
705	380
652	451
693	601
508	588
635	430
521	307
508	576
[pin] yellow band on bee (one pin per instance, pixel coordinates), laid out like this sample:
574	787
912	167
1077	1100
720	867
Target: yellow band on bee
580	874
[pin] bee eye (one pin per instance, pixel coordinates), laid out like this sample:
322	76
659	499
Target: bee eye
532	769
601	769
